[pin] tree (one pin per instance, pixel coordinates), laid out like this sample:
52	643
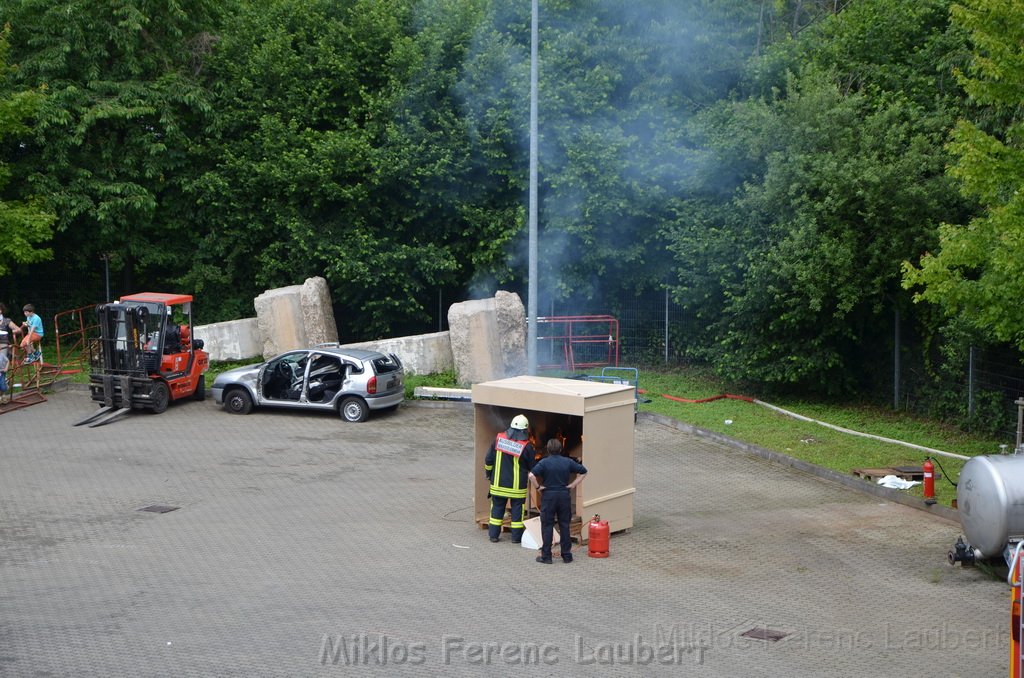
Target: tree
977	271
25	224
835	173
114	137
618	83
338	151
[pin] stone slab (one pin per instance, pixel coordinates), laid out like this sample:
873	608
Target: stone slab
234	340
420	354
297	316
488	338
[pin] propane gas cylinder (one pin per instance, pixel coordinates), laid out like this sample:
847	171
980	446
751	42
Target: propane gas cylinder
597	538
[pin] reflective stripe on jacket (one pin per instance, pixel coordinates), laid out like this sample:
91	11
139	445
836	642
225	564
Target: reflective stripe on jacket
507	465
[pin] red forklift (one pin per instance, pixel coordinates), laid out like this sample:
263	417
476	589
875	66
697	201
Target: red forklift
145	356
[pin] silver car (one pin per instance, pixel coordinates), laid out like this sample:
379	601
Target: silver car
350	381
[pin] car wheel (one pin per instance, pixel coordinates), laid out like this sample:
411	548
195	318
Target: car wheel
200	392
161	397
354	410
238	401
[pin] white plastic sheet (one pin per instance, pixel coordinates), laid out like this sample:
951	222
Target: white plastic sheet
897	483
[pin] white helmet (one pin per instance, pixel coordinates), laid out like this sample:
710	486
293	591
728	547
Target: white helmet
521	423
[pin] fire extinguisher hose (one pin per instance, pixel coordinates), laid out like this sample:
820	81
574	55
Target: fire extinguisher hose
944	474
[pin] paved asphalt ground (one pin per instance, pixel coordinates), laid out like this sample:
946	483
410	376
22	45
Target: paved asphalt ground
305	546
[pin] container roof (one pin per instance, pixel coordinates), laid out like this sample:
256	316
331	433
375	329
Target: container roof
572	396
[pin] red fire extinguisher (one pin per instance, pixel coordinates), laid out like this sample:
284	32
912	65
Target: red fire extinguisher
597	538
929	480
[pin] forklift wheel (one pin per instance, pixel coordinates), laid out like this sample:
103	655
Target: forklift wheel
161	397
200	392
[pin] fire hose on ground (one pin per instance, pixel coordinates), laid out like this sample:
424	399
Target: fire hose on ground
801	417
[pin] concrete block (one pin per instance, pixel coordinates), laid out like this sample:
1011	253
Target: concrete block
297	316
420	354
510	315
434	393
231	340
488	338
318	312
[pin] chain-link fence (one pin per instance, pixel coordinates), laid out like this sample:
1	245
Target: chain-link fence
995	380
977	394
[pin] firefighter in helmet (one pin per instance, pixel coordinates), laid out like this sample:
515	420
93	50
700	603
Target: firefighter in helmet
507	467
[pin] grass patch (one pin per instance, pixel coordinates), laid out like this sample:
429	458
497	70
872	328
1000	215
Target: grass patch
440	380
217	368
812	442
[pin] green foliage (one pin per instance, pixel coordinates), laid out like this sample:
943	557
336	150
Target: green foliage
832	186
25	223
618	91
976	270
114	135
341	117
439	380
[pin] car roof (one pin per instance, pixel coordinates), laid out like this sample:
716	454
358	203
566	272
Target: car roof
356	353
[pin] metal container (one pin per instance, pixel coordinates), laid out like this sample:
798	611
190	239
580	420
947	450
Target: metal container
990	500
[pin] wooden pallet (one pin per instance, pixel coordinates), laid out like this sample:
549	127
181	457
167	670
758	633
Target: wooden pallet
904	472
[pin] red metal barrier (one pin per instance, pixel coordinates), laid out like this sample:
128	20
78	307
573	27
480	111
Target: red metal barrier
72	330
27	380
577	341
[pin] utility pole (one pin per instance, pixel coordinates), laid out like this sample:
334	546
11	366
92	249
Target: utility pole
531	304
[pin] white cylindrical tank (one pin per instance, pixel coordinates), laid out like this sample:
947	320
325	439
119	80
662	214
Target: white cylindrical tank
990	500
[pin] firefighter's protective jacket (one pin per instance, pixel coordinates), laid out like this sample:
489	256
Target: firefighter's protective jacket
507	466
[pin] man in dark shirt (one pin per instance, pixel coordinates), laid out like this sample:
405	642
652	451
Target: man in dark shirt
554	470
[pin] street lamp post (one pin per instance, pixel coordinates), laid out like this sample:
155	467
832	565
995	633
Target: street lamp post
106	275
531	327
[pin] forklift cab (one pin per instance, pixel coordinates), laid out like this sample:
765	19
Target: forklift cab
165	334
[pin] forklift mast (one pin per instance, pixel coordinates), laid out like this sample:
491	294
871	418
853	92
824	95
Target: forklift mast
124	334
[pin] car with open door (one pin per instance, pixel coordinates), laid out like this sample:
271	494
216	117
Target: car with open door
350	381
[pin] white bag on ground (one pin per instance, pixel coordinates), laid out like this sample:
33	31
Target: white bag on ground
897	483
531	536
